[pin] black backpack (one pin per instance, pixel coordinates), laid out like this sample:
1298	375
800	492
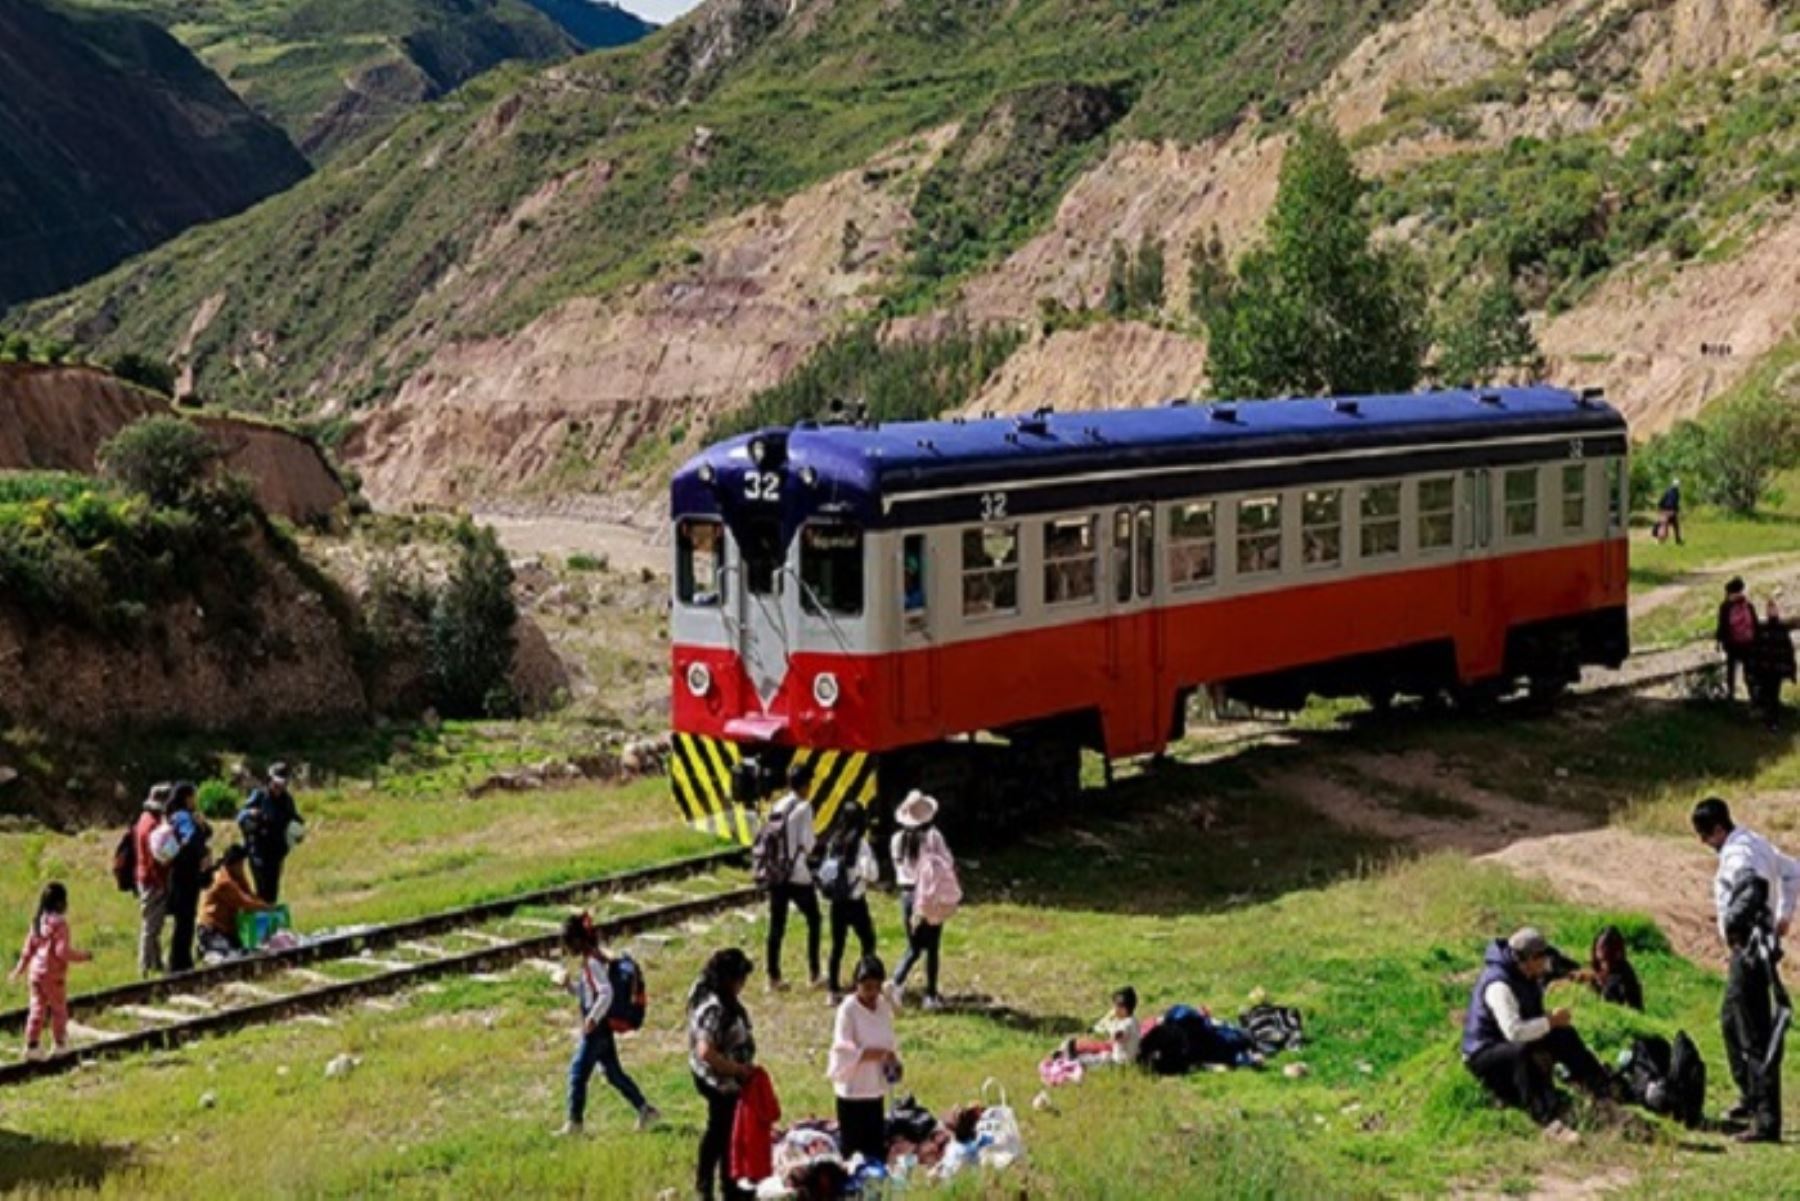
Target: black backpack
837	874
630	994
1666	1079
771	859
1687	1082
124	865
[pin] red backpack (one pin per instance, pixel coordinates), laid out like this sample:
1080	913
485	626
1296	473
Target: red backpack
1740	623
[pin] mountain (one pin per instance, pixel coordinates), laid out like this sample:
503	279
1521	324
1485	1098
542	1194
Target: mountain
552	280
329	71
114	138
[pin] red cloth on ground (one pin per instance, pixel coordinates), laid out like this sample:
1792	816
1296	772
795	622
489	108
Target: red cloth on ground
753	1131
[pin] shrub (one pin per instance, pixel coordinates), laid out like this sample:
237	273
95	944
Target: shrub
144	371
472	622
1483	336
217	800
585	562
164	458
1751	441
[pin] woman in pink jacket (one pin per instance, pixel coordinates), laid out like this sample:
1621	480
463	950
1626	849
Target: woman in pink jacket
47	956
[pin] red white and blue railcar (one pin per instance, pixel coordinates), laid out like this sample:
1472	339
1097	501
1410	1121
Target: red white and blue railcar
857	595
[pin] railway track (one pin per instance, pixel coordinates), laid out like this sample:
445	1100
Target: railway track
371	961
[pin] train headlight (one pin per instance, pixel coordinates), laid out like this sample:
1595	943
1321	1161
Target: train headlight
699	679
758	451
825	689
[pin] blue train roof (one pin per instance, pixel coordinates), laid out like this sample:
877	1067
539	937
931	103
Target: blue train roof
865	470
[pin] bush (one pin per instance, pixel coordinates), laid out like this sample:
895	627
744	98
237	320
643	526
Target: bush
1483	337
217	800
165	458
585	562
1731	456
472	623
144	371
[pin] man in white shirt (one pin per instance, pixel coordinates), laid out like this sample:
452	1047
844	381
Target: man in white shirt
1754	891
1511	1044
796	812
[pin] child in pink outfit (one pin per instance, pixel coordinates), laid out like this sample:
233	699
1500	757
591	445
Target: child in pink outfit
47	956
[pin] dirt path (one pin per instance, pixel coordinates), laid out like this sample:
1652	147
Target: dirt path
1683	585
628	548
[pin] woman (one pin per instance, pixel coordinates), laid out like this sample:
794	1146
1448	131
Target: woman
1610	973
187	874
226	897
864	1064
848	869
916	839
721	1052
595	1045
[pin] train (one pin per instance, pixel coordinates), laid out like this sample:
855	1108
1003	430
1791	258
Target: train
970	603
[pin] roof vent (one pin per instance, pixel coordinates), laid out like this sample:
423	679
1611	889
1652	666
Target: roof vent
1589	397
1034	424
1349	408
1488	398
1043	410
1012	437
927	444
1224	413
1180	402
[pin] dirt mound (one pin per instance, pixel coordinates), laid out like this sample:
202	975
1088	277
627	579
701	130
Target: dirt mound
1119	365
57	418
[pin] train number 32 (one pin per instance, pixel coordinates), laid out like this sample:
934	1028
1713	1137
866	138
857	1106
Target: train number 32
993	506
762	485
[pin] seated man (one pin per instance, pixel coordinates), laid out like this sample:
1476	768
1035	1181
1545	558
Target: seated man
1510	1044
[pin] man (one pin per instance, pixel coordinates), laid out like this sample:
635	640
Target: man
187	873
1511	1045
1754	891
1669	513
795	811
1735	632
152	883
268	820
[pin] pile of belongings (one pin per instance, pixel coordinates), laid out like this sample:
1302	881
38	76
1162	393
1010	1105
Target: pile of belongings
920	1147
1187	1038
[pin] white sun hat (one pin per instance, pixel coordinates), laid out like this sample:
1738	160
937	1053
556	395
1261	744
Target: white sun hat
916	810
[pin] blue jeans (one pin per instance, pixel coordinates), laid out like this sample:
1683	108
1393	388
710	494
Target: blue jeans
598	1050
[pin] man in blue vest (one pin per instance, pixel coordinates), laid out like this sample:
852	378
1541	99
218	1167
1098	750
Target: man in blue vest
1511	1044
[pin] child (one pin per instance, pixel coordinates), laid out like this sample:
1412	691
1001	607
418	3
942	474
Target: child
1119	1026
595	1045
48	955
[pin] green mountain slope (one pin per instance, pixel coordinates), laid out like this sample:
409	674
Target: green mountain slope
328	71
113	137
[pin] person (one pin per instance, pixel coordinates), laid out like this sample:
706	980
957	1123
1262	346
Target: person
226	896
796	812
1771	664
848	853
917	837
1735	632
187	874
864	1063
152	883
271	823
1669	513
595	1045
1511	1044
1754	892
1610	973
48	952
721	1055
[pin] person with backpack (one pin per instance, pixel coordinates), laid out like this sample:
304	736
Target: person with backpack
1754	891
272	827
1735	633
1771	665
189	871
149	879
929	892
864	1064
1668	514
1511	1043
46	956
610	1000
845	873
722	1058
781	863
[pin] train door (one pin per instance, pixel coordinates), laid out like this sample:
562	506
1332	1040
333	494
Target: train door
1478	533
763	625
918	661
1134	638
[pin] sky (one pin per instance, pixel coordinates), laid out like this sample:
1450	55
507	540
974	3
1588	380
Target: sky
659	11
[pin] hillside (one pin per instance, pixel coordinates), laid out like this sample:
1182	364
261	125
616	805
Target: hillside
545	284
329	71
114	138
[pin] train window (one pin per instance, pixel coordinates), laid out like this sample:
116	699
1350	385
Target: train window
1121	556
1615	494
1437	512
1071	561
831	568
1522	502
990	580
700	562
1574	496
1146	550
912	580
1322	527
1259	535
759	542
1380	520
1192	544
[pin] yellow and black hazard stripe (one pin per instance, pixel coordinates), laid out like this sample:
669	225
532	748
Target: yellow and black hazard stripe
700	777
837	776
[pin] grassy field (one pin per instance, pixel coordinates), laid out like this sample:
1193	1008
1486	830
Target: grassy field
1197	883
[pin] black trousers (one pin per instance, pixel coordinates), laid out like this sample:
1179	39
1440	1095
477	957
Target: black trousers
184	909
862	1127
803	898
1748	1019
715	1144
267	875
923	941
845	917
1520	1074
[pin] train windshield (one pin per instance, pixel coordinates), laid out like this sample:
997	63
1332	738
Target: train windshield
831	567
700	562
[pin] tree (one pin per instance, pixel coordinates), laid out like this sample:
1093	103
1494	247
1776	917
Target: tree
1483	336
1210	282
166	458
1147	276
1749	441
1118	281
144	371
1317	310
472	621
